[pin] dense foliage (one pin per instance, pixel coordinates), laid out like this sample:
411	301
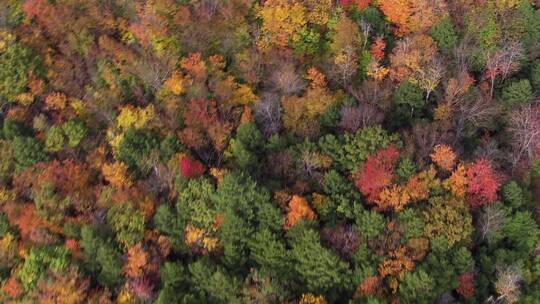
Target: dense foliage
277	151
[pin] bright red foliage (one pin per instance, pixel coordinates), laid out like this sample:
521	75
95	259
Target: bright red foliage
190	168
377	172
466	285
482	184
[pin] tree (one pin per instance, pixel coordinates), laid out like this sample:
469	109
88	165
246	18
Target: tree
314	265
135	145
282	22
517	93
417	287
19	63
127	223
55	140
524	126
408	101
448	218
466	285
444	157
503	62
377	173
482	184
444	34
75	131
298	210
190	168
27	151
405	14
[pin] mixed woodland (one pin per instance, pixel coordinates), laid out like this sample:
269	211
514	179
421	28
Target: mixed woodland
278	151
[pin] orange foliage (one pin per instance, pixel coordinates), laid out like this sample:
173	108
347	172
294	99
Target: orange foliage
56	101
68	288
369	286
444	157
377	48
116	174
412	16
12	287
457	182
298	209
73	246
137	258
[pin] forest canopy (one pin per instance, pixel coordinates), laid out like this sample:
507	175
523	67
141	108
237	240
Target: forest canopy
272	151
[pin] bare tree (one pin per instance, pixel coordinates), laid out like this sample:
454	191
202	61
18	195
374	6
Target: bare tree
286	80
524	130
429	77
503	63
490	221
507	285
361	116
267	113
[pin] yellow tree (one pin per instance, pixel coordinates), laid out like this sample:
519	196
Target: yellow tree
282	22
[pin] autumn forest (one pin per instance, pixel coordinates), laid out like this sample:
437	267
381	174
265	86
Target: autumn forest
270	151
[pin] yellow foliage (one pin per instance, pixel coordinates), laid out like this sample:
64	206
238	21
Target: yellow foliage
448	218
442	111
282	21
376	71
457	182
25	99
125	297
135	117
116	174
318	11
6	195
309	298
8	250
198	238
175	83
218	173
243	95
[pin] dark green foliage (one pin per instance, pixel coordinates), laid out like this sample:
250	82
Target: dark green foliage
269	253
169	146
27	151
405	168
317	268
135	145
513	195
13	128
444	34
4	225
351	150
246	147
535	76
100	258
408	102
517	93
370	224
521	232
417	287
411	223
